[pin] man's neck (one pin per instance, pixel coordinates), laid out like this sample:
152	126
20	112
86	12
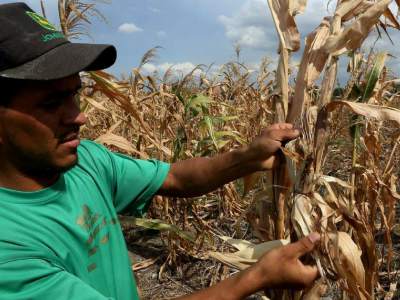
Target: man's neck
12	178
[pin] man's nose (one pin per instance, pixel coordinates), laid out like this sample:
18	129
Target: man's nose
80	119
73	115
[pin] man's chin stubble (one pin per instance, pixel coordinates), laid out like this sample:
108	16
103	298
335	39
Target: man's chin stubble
49	171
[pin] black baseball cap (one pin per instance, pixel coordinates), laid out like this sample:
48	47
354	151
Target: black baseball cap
32	48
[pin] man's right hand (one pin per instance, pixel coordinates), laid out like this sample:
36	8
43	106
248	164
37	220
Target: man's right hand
282	268
278	268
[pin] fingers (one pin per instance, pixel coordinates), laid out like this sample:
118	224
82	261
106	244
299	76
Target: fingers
282	132
281	126
303	246
287	134
309	274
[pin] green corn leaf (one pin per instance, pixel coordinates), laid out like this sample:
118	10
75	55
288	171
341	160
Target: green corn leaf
371	80
222	143
220	120
157	225
373	75
198	103
231	134
210	129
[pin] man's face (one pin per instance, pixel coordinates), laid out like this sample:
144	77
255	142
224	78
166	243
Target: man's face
39	129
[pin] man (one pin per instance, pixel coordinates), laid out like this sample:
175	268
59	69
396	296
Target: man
59	196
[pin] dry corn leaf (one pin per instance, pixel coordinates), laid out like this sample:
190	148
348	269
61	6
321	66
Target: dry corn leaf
248	253
288	34
354	34
232	260
114	126
302	215
392	187
366	242
121	143
289	38
113	90
336	180
389	15
311	66
96	104
297	6
295	163
347	6
144	264
326	212
346	257
253	251
289	152
360	8
380	113
281	99
237	243
331	199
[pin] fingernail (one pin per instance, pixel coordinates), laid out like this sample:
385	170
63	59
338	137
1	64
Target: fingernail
314	237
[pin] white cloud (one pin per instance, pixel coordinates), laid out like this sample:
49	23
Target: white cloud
252	25
161	34
149	68
129	28
178	69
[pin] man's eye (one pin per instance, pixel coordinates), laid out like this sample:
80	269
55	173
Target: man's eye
51	104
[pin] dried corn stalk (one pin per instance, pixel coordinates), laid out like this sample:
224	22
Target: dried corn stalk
283	13
324	203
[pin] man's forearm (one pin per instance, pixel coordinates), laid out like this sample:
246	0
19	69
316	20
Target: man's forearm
197	176
234	288
200	175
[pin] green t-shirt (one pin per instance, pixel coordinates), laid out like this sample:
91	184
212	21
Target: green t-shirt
65	242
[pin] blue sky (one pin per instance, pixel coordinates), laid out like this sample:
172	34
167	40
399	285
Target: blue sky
195	32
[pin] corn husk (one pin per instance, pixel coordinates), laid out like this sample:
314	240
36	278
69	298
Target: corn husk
248	252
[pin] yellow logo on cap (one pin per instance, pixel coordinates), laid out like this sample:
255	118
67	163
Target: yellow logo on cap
41	21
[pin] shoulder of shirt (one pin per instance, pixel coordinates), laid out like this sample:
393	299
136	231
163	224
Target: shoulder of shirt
89	145
91	155
90	148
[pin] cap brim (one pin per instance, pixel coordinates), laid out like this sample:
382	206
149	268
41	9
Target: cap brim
63	61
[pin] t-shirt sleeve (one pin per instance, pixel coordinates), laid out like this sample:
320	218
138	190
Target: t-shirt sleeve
133	182
136	182
37	279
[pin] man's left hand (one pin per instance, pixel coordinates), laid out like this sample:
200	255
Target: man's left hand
265	147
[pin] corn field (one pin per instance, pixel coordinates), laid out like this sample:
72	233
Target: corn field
339	178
